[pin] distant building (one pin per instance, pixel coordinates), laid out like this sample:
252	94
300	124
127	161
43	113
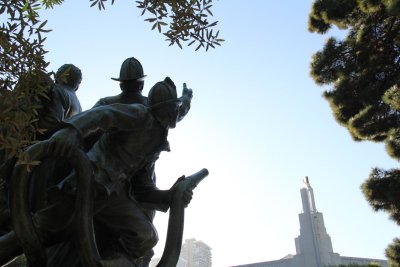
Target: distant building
194	253
313	245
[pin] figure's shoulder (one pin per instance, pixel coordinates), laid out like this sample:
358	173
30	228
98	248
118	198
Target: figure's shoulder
107	101
139	110
60	88
58	94
56	89
64	91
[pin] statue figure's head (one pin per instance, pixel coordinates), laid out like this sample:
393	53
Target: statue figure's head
131	76
163	91
165	103
69	75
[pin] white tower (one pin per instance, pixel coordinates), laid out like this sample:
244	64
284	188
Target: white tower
314	245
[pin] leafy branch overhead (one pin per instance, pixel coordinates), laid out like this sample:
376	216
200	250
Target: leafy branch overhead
21	53
181	21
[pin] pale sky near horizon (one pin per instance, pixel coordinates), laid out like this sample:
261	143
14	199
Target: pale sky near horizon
258	123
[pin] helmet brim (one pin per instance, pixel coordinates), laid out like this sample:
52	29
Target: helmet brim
172	102
124	80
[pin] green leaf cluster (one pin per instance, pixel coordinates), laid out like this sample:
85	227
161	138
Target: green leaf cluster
51	3
362	72
382	190
180	21
393	253
22	70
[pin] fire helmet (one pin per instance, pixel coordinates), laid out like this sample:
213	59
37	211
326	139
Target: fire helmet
164	91
131	69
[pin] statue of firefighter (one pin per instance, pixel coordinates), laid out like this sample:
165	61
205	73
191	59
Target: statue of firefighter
121	164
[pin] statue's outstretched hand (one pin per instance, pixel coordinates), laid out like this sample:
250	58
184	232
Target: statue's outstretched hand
187	92
63	142
187	95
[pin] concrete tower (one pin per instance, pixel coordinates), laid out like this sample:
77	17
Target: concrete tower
313	245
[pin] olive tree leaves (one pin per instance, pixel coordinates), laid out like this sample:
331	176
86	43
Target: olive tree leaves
181	21
21	59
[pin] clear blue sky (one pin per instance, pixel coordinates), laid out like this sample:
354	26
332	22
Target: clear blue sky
258	123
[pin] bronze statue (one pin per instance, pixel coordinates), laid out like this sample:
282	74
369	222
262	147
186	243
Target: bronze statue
125	194
59	104
131	81
62	102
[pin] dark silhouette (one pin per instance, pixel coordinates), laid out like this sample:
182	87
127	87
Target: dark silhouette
123	162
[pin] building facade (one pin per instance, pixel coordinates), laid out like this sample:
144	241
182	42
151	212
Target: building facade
313	245
194	253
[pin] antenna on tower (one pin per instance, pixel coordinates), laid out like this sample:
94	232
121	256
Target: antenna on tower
306	182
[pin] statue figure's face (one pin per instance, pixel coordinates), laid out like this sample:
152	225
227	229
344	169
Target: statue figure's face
77	84
168	112
174	114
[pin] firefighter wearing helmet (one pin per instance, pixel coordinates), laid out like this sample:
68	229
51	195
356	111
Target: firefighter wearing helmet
131	78
164	103
131	81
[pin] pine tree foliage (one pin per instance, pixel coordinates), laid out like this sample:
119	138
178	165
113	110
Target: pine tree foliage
23	77
362	72
382	189
393	253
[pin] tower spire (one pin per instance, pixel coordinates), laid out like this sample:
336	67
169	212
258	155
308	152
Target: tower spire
313	243
306	181
307	196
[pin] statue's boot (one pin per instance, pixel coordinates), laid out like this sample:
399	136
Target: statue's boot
9	248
